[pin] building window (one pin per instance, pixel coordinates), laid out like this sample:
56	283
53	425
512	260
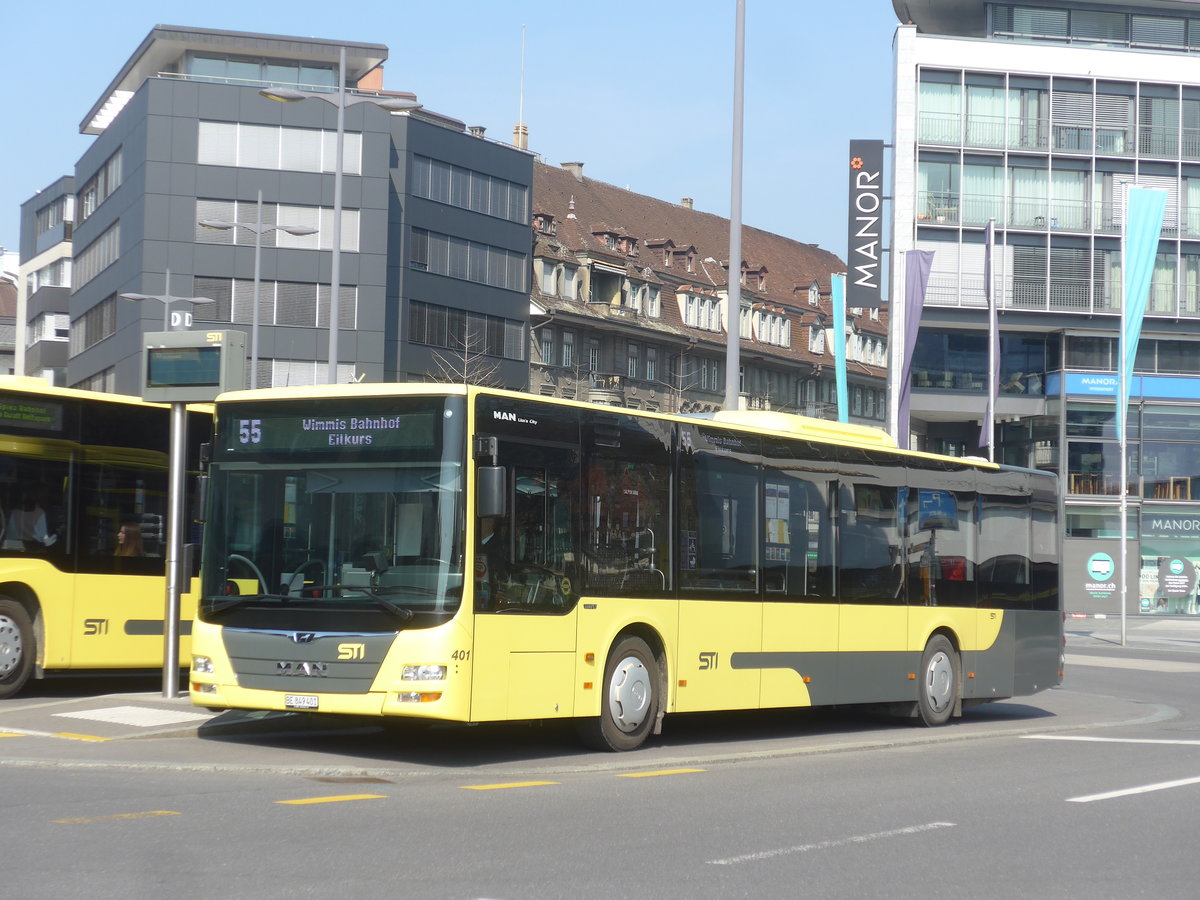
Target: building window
246	212
430	325
53	214
55	274
273	147
593	355
651	363
568	348
100	186
549	271
653	302
98	255
633	367
442	182
94	325
442	254
548	346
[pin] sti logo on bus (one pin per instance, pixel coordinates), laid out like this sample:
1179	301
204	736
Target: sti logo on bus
306	669
866	224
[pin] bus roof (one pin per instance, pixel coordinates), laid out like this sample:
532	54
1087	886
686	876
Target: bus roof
29	384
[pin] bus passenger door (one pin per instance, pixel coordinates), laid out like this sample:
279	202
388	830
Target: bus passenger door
720	607
526	585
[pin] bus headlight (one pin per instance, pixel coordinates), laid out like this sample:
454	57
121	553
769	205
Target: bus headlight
424	673
202	664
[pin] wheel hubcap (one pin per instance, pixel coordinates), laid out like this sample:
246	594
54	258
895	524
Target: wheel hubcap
10	646
939	681
629	694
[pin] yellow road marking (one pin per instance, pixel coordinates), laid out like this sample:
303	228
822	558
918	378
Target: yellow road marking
511	784
662	772
4	734
72	736
137	815
337	799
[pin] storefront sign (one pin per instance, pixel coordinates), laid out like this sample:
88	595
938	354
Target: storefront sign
865	243
1100	571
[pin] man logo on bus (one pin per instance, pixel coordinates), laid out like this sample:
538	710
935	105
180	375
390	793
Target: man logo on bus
1101	566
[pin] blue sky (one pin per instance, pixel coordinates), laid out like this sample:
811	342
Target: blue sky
640	92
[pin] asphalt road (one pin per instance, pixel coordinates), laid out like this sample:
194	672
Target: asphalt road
1086	790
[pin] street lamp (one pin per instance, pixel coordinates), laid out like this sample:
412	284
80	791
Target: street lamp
258	229
166	299
340	100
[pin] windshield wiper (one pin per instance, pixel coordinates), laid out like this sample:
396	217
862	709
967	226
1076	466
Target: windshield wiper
400	612
241	600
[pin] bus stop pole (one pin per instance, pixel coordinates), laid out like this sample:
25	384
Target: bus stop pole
176	474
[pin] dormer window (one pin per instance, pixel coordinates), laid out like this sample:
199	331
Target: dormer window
544	223
691	262
814	295
610	241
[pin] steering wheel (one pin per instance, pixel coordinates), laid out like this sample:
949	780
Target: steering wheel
248	563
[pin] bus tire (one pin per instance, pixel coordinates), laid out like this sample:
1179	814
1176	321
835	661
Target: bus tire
938	682
18	647
630	703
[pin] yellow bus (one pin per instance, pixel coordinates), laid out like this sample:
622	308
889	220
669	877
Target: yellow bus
83	507
471	555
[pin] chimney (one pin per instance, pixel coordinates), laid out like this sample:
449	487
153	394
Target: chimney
521	136
575	168
477	130
686	202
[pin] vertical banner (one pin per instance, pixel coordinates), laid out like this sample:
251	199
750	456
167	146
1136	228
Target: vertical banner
1144	208
987	431
838	301
917	264
865	244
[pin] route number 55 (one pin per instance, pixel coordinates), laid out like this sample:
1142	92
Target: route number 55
250	431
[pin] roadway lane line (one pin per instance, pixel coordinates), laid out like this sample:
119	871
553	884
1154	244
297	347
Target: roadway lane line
661	772
117	817
1146	665
505	786
337	799
4	734
1106	740
72	736
829	845
1144	789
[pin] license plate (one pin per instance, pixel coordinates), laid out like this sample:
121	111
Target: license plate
300	701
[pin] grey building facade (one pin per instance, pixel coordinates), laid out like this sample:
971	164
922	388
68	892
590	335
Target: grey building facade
431	213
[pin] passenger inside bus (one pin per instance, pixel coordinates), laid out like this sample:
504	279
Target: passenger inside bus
129	539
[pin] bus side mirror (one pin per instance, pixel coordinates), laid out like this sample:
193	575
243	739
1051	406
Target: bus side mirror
491	491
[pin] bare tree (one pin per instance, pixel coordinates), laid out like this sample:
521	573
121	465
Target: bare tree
466	362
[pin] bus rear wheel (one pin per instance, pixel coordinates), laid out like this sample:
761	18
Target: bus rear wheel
630	704
938	687
17	647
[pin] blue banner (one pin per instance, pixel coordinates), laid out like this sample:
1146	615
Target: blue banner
1144	208
838	286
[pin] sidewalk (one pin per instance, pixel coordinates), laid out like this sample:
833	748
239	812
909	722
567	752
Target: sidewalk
1159	632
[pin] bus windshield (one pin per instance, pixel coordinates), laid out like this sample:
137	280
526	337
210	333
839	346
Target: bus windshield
314	527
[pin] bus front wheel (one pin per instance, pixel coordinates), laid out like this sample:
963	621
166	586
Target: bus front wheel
17	648
938	690
629	706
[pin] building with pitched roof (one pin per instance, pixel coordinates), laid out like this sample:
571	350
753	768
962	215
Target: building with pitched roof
629	307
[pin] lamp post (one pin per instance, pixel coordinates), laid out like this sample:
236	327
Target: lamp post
340	100
175	497
258	229
166	299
